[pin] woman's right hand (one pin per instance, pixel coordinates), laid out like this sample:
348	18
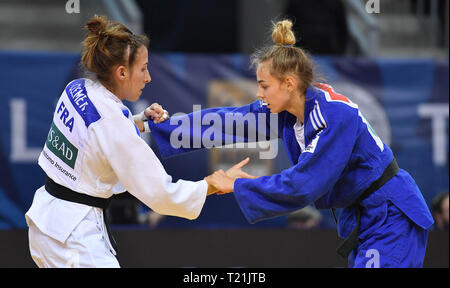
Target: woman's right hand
221	182
236	171
156	113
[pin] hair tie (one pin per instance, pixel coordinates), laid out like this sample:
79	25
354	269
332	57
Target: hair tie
286	45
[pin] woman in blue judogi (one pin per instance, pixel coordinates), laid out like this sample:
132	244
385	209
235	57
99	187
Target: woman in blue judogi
338	161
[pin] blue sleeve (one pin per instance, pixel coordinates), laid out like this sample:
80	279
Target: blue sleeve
214	127
316	172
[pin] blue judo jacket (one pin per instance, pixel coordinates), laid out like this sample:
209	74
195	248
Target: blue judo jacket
343	156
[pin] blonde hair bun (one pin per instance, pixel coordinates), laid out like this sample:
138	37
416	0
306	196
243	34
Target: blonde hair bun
282	33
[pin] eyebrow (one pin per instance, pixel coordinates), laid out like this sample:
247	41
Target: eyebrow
259	81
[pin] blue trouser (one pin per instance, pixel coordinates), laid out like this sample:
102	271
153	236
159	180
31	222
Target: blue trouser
397	243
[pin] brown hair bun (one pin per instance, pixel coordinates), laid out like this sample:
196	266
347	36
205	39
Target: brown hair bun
96	25
108	44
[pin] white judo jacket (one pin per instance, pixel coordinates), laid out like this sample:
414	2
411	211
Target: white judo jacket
93	145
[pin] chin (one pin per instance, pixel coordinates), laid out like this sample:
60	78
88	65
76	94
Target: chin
136	97
274	110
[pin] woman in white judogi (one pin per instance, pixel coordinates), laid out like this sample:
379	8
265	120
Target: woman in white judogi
92	145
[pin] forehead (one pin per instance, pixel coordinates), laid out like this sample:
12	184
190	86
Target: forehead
142	55
263	72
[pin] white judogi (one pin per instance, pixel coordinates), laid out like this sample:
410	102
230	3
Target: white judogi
92	145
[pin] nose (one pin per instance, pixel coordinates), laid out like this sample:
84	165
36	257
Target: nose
259	95
148	79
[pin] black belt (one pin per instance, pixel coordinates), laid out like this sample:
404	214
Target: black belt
351	242
65	193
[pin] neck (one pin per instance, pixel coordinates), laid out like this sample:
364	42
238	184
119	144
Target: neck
113	90
297	106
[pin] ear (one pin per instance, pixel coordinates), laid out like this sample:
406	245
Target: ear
291	83
121	72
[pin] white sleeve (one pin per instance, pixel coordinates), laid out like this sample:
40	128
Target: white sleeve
143	175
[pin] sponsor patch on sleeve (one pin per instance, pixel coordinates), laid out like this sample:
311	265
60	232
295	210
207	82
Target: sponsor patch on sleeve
312	146
76	91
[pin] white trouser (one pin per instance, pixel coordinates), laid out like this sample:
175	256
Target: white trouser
86	247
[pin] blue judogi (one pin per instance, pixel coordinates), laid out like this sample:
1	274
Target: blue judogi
342	158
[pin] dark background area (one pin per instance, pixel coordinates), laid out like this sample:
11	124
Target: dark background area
200	26
226	248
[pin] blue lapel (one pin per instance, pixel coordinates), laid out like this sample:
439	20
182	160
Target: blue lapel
310	102
290	142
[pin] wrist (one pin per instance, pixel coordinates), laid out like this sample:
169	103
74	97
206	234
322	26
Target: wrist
211	190
234	184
